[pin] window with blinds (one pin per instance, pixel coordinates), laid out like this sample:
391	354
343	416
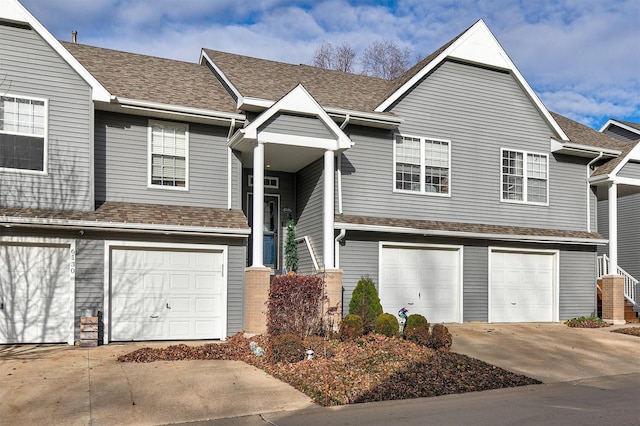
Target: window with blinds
169	144
22	133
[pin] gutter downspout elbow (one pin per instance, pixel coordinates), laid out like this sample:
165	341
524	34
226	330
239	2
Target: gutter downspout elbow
588	189
339	238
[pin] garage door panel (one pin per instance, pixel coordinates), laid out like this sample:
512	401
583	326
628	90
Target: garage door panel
36	290
424	280
521	287
171	292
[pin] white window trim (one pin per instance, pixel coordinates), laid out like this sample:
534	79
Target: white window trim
150	156
422	167
45	148
274	179
525	178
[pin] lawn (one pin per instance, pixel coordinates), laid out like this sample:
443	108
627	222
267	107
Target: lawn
370	368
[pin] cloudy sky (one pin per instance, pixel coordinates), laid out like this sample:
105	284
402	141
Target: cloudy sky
582	57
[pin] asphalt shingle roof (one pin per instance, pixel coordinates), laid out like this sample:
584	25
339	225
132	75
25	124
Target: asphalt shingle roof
472	228
584	135
111	212
149	78
608	167
271	80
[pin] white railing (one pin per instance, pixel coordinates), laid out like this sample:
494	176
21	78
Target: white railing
630	283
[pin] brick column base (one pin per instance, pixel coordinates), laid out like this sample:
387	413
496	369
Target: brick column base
613	299
333	306
256	293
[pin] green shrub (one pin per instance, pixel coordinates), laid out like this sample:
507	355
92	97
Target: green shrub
294	305
440	337
419	334
414	321
351	327
586	322
286	348
366	303
387	324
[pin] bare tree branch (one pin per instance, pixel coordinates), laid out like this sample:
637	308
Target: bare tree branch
385	59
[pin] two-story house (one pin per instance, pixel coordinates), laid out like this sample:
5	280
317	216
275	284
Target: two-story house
154	192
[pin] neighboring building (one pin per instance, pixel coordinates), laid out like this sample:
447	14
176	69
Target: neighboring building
622	175
154	191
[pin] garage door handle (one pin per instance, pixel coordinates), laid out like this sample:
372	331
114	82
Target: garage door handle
168	307
513	303
154	316
410	303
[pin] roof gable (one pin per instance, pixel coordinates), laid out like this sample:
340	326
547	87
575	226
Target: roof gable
13	11
479	46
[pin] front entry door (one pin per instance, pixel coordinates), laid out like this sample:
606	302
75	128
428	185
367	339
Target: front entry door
271	226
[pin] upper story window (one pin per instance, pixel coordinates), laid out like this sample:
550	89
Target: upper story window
23	141
422	165
525	177
168	154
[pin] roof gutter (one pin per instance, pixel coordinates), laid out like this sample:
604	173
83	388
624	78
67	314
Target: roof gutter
472	235
9	222
176	109
571	148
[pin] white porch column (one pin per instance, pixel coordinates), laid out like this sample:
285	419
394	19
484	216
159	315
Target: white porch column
613	228
329	209
257	230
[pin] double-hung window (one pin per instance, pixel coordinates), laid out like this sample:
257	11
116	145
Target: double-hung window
23	128
168	154
422	165
525	177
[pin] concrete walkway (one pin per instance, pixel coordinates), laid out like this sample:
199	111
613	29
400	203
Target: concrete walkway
64	385
57	384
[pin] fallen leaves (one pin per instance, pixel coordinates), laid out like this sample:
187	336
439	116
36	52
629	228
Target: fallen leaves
631	331
372	368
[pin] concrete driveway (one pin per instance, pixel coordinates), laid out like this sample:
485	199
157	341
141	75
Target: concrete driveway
549	352
70	385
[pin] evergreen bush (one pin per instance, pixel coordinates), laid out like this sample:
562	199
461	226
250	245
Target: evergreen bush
387	325
351	327
365	303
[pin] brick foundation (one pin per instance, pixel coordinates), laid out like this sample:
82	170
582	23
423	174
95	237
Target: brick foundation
613	299
256	293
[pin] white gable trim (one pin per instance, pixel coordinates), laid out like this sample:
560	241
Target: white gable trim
297	101
234	89
14	11
634	154
616	123
477	45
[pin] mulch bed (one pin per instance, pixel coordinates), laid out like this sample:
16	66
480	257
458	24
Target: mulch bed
631	331
372	368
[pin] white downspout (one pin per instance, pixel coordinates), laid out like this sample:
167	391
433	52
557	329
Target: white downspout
342	126
328	210
339	238
230	164
589	190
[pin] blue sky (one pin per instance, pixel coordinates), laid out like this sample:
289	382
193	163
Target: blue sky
582	57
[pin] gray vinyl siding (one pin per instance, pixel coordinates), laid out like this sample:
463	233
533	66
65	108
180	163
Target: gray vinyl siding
305	262
121	170
621	134
309	206
628	231
630	170
577	284
297	126
89	278
475	287
29	67
235	288
358	258
480	111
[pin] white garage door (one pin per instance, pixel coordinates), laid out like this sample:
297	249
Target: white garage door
36	292
167	294
424	280
521	287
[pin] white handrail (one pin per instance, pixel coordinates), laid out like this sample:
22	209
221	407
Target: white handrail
311	253
630	283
